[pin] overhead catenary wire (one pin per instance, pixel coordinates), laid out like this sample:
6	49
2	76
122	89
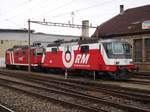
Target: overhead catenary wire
13	9
52	10
22	5
59	7
82	9
58	15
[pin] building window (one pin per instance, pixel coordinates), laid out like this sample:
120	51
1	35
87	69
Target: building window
147	50
138	50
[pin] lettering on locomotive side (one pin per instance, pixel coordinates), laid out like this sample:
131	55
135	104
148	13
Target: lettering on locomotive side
82	58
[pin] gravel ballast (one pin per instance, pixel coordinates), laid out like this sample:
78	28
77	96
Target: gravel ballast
20	102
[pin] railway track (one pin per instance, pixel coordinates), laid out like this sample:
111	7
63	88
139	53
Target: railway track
30	89
72	86
133	94
139	81
89	97
5	109
37	91
141	75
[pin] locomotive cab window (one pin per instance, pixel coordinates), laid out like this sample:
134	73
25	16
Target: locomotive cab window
117	50
38	52
23	51
54	50
11	49
100	48
84	49
17	52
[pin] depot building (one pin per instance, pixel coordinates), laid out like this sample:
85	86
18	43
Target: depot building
134	26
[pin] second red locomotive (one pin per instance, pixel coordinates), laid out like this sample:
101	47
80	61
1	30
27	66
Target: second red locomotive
17	57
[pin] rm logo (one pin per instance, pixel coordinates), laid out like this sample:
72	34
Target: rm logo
82	59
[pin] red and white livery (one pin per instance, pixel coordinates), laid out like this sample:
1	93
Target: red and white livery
111	57
102	57
18	57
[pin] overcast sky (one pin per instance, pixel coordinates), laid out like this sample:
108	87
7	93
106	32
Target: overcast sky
15	13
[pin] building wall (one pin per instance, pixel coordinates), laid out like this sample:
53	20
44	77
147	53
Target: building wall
141	51
5	44
9	39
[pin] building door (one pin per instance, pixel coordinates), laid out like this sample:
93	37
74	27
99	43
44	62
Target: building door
147	50
137	50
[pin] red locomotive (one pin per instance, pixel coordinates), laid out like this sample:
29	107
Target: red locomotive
103	57
17	57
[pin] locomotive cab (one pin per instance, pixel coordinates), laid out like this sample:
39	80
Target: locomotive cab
117	50
117	57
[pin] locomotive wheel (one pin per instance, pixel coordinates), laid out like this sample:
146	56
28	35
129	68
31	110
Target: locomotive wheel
120	75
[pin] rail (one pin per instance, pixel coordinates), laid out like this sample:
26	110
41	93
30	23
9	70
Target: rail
126	107
5	109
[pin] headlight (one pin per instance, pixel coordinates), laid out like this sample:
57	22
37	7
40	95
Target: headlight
131	62
117	62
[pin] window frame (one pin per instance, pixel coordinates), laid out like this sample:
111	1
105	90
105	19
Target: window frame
84	49
138	50
23	51
147	50
54	49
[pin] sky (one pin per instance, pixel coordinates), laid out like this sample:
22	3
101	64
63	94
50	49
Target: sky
14	14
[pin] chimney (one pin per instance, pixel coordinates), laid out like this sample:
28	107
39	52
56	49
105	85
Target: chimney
121	9
85	29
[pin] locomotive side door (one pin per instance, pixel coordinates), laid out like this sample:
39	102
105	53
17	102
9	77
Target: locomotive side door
54	57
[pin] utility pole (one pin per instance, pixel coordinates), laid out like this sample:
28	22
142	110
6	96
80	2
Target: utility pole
29	47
